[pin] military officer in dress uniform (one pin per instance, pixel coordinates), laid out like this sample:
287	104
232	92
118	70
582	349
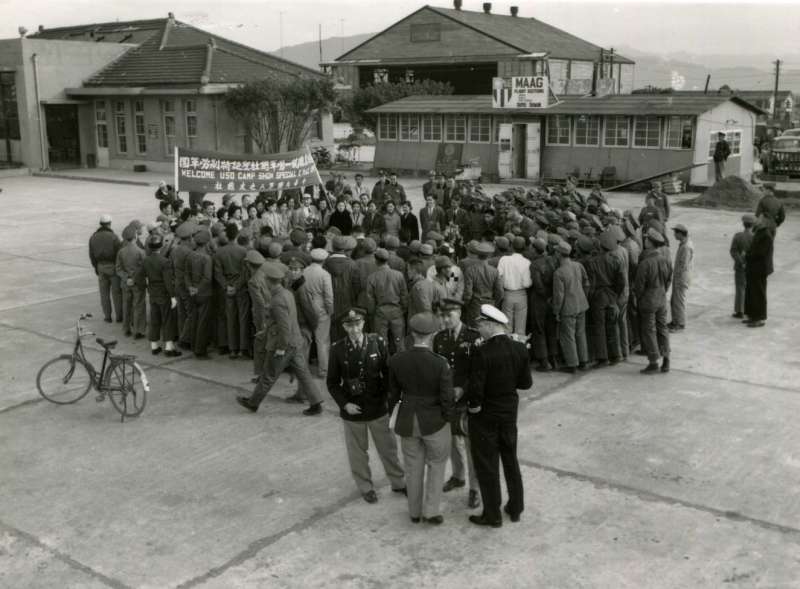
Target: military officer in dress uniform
498	369
455	343
422	383
357	380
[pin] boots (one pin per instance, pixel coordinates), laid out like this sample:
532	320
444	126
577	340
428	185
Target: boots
665	364
652	368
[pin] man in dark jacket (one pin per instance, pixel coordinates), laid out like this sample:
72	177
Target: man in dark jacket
721	152
607	277
482	284
770	206
422	383
357	380
759	267
346	282
103	248
653	278
387	301
156	275
199	282
740	244
500	367
544	333
231	276
408	222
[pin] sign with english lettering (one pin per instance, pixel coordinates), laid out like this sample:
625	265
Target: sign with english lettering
520	92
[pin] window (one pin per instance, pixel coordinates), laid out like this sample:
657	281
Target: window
455	128
733	137
679	133
432	128
168	106
121	125
587	130
139	128
101	123
190	108
558	130
9	115
647	132
616	131
409	128
388	127
480	128
425	33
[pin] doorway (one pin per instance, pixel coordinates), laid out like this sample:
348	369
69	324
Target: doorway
63	143
519	138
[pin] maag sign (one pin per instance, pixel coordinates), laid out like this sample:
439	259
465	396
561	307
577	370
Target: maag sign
520	92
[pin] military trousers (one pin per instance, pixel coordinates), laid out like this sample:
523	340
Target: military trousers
515	307
238	322
274	365
184	311
218	331
200	319
322	334
605	333
572	337
494	441
425	460
110	290
390	324
462	463
356	441
134	308
755	298
677	303
740	282
655	333
622	329
544	333
162	321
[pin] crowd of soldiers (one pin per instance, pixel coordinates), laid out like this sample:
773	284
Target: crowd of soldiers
352	277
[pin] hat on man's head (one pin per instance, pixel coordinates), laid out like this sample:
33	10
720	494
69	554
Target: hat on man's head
202	237
155	241
502	243
485	248
369	245
749	219
339	243
564	248
381	254
492	313
350	243
424	323
585	244
654	236
443	262
435	235
184	230
274	249
415	245
298	236
472	245
297	260
451	304
681	229
354	315
318	254
540	244
426	249
105	219
254	257
608	240
518	243
333	230
274	271
129	233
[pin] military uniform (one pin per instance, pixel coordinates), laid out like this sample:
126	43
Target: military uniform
156	274
180	260
103	248
653	278
358	374
134	305
543	325
387	301
740	244
346	283
199	277
482	285
229	274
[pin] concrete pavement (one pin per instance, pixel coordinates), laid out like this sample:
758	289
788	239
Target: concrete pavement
679	480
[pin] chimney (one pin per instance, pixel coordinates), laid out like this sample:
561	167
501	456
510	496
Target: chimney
41	28
171	15
514	10
457	4
487	7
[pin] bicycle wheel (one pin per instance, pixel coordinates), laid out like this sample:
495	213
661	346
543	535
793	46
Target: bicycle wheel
64	380
127	388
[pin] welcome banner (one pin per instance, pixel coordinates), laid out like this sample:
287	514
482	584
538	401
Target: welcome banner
208	171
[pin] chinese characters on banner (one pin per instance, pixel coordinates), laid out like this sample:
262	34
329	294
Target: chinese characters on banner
208	171
520	92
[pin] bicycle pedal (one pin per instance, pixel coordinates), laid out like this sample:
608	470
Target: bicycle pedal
100	398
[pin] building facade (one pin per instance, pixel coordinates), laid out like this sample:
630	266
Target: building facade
125	94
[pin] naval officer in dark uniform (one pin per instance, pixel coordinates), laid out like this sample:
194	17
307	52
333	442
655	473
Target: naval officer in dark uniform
357	380
421	382
499	368
455	343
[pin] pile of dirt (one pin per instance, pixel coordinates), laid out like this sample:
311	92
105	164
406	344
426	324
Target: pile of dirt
730	193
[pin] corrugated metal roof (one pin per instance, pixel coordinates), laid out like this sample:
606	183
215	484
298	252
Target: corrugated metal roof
528	34
183	60
618	104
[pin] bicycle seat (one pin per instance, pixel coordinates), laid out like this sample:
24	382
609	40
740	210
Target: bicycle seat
107	345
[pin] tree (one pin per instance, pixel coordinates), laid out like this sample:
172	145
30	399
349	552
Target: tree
356	104
279	112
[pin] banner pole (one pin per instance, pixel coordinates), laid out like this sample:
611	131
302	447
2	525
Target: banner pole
320	183
175	165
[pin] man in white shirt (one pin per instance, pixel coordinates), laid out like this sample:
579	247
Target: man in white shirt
515	274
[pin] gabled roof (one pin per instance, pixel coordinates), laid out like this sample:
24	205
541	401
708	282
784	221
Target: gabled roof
614	104
172	53
524	34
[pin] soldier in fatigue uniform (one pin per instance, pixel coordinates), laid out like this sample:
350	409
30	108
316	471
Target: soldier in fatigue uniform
103	248
129	262
422	383
228	274
387	301
179	258
498	369
156	276
455	343
199	278
482	284
357	380
258	289
542	320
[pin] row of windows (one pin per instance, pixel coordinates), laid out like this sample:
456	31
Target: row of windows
166	128
436	128
648	132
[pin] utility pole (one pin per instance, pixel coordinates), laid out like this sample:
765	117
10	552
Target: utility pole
775	95
320	46
341	35
708	79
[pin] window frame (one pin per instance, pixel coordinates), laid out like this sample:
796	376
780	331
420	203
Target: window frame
577	119
615	145
170	141
141	137
736	147
427	128
668	127
449	124
101	106
407	118
480	119
190	120
121	117
384	127
649	119
558	142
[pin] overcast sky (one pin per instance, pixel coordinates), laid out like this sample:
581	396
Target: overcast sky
655	27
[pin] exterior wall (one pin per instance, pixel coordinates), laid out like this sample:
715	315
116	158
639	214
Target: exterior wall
11	59
631	163
728	116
